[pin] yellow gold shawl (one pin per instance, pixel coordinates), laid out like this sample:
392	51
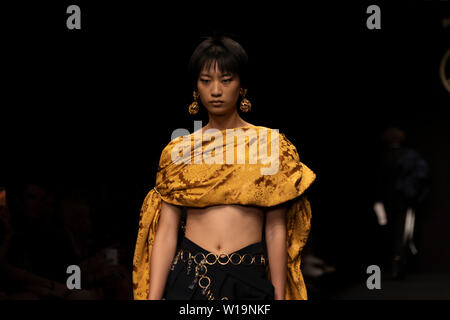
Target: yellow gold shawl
202	170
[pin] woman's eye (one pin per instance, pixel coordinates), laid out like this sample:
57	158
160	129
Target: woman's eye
228	80
204	80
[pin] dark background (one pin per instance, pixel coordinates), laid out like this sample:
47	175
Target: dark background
93	109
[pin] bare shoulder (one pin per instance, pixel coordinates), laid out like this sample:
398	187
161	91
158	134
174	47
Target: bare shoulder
249	124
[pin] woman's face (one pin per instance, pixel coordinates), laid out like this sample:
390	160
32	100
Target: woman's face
219	92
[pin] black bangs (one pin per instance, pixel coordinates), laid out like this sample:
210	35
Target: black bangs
221	52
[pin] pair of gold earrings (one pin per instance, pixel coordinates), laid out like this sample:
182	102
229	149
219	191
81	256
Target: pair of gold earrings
246	106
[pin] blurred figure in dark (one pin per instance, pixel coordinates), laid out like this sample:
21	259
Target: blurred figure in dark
49	229
5	235
40	243
315	270
102	264
401	187
23	279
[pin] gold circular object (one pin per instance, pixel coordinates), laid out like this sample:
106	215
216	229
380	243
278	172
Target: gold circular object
194	108
445	78
200	282
221	256
236	263
252	259
246	106
211	263
203	267
201	254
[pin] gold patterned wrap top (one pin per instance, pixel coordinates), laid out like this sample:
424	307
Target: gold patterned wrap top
251	165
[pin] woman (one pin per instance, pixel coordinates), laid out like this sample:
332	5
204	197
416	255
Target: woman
245	227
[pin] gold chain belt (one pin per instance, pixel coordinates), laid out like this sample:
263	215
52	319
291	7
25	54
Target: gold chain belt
223	259
201	260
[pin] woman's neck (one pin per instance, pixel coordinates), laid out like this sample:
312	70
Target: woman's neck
225	122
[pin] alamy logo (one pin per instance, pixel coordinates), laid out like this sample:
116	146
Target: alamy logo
74	280
374	281
74	20
262	139
374	20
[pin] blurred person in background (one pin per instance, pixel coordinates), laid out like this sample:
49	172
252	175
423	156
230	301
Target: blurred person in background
401	187
18	283
50	230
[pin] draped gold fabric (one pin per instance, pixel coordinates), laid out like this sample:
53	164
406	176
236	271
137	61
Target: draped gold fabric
188	177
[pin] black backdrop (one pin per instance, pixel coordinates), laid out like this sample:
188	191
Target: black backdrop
97	106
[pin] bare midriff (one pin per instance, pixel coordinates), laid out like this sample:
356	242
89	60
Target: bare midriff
225	229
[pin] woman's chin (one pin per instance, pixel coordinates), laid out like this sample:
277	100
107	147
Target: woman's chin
218	111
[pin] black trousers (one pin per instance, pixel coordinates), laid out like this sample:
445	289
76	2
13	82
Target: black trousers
223	282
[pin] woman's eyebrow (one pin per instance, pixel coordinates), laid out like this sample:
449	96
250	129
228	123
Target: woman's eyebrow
227	74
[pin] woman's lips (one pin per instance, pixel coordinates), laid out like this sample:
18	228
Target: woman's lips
216	103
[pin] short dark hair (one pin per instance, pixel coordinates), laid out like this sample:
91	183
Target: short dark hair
229	55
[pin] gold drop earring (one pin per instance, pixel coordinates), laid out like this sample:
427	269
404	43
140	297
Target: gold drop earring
246	106
193	108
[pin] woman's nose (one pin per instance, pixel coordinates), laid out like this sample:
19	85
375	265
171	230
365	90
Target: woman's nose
216	89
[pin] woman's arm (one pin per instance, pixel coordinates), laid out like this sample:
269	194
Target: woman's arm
276	237
164	249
